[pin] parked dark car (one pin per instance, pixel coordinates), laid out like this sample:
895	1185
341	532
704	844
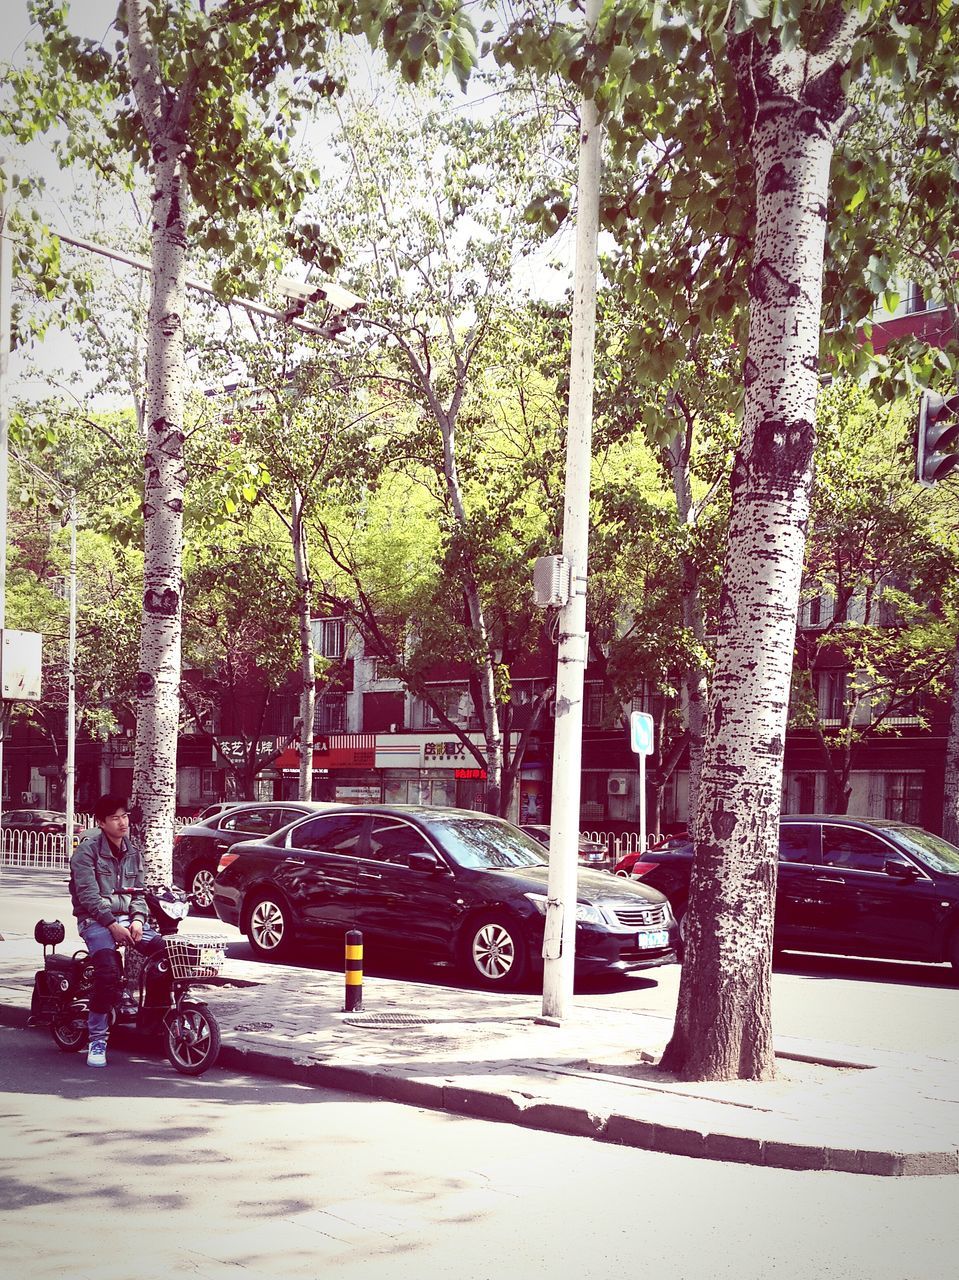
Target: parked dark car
624	866
443	883
214	810
197	847
848	886
47	822
592	852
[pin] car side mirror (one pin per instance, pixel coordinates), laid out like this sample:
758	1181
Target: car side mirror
900	870
427	862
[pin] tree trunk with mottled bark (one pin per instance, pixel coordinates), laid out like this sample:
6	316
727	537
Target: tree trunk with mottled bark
164	116
793	105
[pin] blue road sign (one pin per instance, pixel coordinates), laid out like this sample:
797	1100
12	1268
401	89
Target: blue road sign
641	733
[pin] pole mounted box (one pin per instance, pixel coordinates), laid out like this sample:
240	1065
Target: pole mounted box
551	579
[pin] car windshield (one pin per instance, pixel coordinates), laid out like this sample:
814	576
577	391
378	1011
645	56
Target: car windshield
936	853
487	843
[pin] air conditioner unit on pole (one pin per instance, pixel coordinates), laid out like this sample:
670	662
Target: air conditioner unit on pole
617	784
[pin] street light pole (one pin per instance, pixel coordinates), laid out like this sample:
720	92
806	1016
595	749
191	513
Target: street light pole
6	317
559	946
70	771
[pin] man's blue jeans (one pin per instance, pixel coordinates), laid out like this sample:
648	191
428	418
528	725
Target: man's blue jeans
106	973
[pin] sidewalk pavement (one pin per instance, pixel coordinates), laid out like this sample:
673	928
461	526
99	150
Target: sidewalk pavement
487	1055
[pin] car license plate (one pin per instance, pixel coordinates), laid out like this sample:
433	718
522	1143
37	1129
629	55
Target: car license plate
650	941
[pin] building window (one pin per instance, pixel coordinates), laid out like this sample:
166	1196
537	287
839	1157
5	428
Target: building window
643	697
594	704
592	797
454	699
902	797
328	637
207	782
804	790
522	692
819	611
330	714
832	695
281	710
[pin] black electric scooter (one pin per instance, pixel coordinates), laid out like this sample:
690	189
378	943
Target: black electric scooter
162	982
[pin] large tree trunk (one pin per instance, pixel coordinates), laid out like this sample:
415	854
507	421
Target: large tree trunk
158	680
723	1024
496	802
304	604
950	793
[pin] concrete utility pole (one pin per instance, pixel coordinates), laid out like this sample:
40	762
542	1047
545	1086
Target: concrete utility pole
559	946
70	773
6	316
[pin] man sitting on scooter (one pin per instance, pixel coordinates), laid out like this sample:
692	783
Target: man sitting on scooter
106	884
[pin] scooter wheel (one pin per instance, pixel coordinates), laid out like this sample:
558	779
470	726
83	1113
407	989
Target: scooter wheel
192	1039
69	1031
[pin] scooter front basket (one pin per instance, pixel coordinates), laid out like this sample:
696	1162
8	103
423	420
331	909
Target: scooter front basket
197	955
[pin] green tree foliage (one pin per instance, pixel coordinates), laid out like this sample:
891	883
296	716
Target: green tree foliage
236	657
880	573
203	98
430	211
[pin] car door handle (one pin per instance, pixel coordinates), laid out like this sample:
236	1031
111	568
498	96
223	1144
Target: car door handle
370	875
296	862
830	880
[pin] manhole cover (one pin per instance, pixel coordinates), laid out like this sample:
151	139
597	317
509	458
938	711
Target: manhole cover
253	1026
383	1021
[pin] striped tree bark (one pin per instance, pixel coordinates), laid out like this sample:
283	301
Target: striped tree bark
794	108
165	116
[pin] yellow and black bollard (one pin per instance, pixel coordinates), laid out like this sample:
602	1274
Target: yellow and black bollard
354	971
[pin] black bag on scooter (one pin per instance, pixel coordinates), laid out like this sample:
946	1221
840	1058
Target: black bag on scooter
62	978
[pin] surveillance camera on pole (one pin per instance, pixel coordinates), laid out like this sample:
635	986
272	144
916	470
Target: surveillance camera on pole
937	437
338	299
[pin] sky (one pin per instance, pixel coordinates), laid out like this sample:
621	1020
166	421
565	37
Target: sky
93	18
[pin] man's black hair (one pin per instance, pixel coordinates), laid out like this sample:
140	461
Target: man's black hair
108	804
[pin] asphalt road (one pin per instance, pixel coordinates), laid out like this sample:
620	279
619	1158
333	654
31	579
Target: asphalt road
135	1172
873	1003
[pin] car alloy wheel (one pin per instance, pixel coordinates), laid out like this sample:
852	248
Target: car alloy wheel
201	887
270	930
496	952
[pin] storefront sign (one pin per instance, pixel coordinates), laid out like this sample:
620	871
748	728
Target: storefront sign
469	773
338	751
434	752
358	795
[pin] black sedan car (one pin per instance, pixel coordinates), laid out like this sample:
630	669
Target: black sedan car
847	886
592	852
197	847
444	883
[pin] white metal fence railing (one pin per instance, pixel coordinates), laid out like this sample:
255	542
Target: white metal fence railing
19	848
627	842
33	849
39	849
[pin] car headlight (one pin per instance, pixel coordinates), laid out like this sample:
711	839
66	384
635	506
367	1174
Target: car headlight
585	912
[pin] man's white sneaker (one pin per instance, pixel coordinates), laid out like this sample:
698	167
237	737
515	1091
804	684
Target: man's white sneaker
97	1054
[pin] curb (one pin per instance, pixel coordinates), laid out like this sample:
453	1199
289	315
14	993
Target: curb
558	1117
576	1121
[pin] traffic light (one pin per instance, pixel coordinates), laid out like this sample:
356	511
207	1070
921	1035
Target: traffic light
937	437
